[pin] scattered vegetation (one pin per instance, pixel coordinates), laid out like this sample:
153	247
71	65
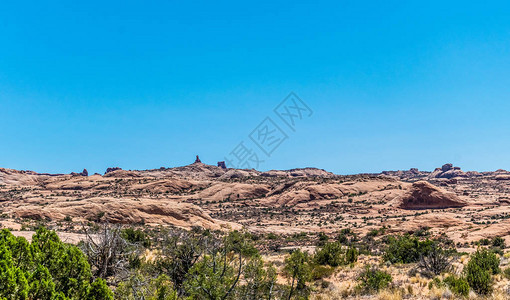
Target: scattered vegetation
169	263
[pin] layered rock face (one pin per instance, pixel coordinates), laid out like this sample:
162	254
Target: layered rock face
423	195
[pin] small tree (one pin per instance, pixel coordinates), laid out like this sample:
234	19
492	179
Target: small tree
259	281
330	254
479	270
46	268
108	253
216	275
297	268
180	250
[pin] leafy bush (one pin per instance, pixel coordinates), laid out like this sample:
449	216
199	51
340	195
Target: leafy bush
458	285
135	288
406	249
479	270
423	231
46	268
372	280
479	280
498	242
332	254
487	260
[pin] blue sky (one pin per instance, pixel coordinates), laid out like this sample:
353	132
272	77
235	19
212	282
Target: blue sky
392	84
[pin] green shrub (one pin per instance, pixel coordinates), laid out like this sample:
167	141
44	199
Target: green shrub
342	239
487	260
46	268
479	270
484	242
330	254
406	249
351	255
498	242
479	280
458	285
372	280
423	231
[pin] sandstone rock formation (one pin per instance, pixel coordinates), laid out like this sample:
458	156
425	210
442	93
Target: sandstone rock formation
112	169
299	172
83	173
447	171
423	195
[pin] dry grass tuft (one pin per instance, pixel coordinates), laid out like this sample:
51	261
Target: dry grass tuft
393	294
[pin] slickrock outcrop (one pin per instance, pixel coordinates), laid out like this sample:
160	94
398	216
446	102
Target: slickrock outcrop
112	169
83	173
124	211
423	195
447	171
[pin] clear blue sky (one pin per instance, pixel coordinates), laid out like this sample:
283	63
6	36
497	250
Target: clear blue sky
392	84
